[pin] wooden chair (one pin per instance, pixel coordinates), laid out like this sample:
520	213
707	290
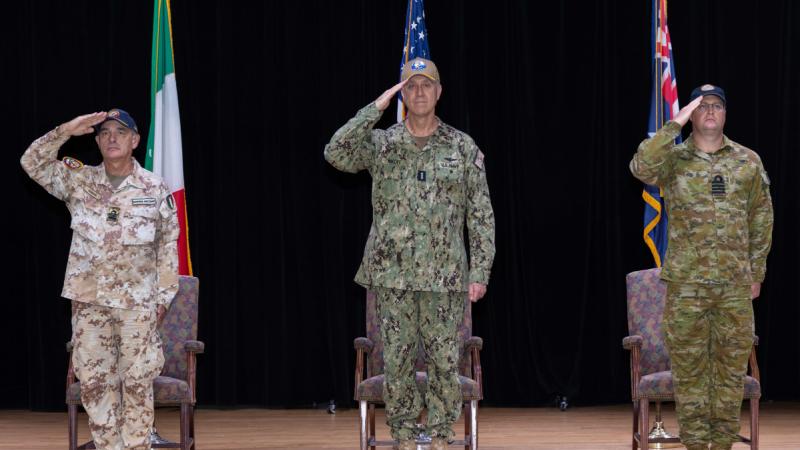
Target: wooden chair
369	377
651	378
176	384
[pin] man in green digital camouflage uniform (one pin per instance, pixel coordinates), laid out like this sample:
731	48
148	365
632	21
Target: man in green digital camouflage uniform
720	232
427	179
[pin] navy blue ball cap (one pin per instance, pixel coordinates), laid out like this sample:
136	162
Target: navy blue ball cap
708	89
120	116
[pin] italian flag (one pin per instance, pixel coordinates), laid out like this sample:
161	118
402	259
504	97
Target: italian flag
164	149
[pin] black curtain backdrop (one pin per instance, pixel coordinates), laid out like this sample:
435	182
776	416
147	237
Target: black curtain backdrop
555	93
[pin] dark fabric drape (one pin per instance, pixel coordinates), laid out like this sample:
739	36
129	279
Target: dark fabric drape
556	95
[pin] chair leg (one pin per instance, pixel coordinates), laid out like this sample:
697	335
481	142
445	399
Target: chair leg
371	415
754	424
473	425
362	408
72	424
467	430
185	426
191	426
644	419
635	446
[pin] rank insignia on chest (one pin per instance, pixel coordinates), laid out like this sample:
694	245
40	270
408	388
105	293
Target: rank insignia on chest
148	201
113	214
718	186
421	175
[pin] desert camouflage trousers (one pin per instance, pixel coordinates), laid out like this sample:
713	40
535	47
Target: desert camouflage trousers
431	319
709	335
116	355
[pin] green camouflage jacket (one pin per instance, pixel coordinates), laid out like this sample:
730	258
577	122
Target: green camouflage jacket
718	204
420	199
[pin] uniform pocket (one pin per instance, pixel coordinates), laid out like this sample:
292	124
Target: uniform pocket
139	226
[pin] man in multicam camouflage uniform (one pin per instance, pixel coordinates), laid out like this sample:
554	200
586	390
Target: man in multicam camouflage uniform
121	275
427	178
720	233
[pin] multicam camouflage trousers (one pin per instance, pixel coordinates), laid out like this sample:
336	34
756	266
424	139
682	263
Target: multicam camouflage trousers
431	319
116	355
709	335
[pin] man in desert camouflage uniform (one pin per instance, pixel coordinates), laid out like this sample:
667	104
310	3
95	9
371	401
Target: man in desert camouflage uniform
121	275
720	232
427	178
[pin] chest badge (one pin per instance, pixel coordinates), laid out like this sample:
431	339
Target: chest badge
113	215
718	186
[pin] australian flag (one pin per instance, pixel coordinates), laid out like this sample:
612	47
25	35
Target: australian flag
415	43
663	107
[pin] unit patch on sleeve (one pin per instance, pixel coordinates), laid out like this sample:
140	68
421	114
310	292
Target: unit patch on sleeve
171	202
479	160
72	163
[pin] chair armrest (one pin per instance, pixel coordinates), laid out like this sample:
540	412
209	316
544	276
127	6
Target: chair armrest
473	342
364	344
194	346
631	342
363	348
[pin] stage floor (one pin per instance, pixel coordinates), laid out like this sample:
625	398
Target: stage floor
579	428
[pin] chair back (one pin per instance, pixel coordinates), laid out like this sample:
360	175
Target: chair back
179	326
647	294
375	360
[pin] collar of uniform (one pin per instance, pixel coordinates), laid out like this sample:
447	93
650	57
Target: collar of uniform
727	145
134	179
408	138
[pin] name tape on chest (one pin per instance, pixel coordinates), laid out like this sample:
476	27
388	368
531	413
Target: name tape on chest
148	201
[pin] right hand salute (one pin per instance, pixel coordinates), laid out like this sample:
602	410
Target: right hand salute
83	124
686	112
382	102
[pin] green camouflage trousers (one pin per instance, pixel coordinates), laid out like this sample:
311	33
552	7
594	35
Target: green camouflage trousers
431	319
709	334
117	354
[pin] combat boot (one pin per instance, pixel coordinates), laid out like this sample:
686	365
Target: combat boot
438	444
721	446
408	444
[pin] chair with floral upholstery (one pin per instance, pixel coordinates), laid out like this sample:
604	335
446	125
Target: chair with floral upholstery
651	378
369	378
176	384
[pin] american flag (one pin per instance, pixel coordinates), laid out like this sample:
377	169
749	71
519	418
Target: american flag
415	43
663	107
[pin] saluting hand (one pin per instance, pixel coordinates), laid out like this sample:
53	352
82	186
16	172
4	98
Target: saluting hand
476	291
382	102
686	112
83	124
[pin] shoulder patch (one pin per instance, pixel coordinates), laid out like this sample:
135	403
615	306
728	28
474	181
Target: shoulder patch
72	163
171	202
765	177
479	160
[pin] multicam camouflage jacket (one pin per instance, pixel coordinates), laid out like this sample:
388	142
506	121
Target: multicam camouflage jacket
124	241
420	200
718	204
